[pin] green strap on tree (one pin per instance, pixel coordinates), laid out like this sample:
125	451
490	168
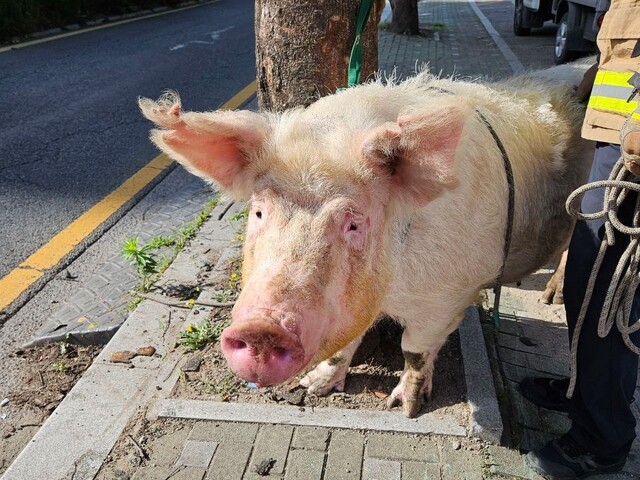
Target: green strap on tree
355	60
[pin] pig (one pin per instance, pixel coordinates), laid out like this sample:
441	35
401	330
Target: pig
388	198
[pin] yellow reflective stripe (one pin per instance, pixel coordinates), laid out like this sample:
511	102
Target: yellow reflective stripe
616	79
614	105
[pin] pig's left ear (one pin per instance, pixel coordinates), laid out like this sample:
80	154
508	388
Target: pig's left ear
218	146
417	153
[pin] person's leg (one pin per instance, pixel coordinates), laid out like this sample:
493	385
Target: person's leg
548	392
603	426
602	420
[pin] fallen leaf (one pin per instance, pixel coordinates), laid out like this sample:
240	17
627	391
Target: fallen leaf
380	394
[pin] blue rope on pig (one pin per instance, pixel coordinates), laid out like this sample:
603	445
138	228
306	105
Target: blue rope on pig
508	233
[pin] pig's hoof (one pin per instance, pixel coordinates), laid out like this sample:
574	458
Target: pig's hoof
553	295
410	406
325	378
410	392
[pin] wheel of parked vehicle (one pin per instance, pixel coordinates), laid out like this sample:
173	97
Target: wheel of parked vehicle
561	54
518	20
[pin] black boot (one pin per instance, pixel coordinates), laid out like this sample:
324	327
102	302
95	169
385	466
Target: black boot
549	393
564	459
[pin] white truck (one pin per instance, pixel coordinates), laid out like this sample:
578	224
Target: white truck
578	23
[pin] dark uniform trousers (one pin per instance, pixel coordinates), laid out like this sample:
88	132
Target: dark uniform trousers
602	419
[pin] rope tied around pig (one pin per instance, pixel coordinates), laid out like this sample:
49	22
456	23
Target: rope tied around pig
511	194
626	278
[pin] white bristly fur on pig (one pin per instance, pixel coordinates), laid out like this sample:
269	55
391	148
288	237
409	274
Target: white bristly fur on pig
439	220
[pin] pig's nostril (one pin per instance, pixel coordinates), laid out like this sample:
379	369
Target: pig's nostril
236	344
281	353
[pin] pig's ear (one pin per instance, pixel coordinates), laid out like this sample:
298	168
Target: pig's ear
218	146
417	154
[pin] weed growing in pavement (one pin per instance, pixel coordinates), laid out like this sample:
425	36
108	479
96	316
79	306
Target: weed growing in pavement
139	256
197	335
145	258
241	215
225	387
65	345
60	366
225	295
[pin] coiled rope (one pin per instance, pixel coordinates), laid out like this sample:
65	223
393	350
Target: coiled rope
626	278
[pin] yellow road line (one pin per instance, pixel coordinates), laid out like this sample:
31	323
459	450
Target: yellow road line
62	244
240	98
100	27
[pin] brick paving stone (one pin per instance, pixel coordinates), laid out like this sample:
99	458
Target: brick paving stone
416	470
197	454
174	473
455	24
344	461
434	472
230	461
515	373
554	422
166	449
304	464
272	441
402	447
509	326
633	460
509	462
232	432
514	357
526	413
532	439
377	469
153	473
310	438
458	464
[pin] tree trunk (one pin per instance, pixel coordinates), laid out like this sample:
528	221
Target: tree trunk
404	19
303	48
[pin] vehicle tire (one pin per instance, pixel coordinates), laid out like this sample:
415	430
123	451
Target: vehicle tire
518	20
561	54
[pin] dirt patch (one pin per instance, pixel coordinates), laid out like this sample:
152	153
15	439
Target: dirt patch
47	374
374	372
140	445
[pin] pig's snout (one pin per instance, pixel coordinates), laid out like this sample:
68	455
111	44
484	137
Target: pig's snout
262	352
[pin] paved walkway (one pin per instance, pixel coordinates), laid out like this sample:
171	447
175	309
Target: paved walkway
172	445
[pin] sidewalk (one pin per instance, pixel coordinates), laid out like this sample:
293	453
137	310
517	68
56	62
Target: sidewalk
121	422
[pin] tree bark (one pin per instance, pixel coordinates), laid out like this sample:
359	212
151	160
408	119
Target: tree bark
404	19
303	48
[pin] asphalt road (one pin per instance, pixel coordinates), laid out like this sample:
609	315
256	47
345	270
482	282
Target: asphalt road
70	129
534	51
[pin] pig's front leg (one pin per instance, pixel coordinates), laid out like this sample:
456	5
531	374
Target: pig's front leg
553	292
417	377
330	374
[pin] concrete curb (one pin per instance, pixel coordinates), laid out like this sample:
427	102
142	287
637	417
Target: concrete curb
485	421
318	417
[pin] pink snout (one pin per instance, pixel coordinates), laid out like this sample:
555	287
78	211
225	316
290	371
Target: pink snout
262	352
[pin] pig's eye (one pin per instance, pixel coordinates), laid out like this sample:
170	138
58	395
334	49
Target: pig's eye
259	214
